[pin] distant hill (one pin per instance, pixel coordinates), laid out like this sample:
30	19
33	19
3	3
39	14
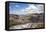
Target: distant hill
29	18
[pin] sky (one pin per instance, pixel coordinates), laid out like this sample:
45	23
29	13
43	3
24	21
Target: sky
23	9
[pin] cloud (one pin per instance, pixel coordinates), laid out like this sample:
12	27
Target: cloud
31	9
34	9
17	6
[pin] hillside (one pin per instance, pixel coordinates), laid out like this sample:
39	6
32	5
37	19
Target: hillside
23	19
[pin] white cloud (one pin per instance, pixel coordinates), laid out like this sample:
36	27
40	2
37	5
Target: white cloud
34	9
31	6
17	5
31	9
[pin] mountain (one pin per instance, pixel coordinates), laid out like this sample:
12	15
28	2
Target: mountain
22	19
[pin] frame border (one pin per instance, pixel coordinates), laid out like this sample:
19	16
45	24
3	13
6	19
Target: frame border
7	15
